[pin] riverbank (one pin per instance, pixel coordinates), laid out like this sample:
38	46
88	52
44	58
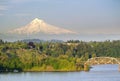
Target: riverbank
97	73
39	70
48	69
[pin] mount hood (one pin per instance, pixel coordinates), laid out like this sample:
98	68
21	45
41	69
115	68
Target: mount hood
39	26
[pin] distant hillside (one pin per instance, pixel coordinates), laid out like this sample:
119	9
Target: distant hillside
55	40
38	40
32	40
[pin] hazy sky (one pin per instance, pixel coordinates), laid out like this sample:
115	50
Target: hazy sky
82	16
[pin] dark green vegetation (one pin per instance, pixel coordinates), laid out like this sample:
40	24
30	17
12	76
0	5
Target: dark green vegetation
49	56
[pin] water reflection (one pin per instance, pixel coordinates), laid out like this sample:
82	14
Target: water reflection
97	73
107	67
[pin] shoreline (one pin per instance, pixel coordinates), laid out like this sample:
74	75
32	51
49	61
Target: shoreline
39	71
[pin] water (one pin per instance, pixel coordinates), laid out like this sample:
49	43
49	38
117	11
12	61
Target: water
97	73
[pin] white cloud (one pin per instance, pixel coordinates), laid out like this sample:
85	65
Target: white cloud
18	1
22	1
3	7
22	14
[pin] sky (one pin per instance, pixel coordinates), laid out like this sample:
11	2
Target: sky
82	16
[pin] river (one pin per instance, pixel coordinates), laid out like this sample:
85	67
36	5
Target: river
97	73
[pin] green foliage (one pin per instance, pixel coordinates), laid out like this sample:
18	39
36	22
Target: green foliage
48	56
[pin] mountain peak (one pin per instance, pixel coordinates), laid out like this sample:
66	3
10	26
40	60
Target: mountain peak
39	26
36	20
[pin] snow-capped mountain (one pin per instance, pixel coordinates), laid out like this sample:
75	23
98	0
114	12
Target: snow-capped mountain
39	26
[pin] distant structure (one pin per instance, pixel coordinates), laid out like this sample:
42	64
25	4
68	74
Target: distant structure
102	60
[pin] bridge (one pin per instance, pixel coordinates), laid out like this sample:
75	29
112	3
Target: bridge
101	60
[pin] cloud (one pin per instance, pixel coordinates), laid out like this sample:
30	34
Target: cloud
1	14
22	1
18	1
22	14
3	7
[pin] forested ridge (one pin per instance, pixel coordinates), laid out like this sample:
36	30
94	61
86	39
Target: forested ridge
53	56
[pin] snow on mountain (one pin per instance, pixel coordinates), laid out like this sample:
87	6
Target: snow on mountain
39	26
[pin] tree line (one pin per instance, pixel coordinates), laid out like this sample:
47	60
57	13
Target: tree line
50	56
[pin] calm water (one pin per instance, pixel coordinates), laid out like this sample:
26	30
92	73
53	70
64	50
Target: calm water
97	73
